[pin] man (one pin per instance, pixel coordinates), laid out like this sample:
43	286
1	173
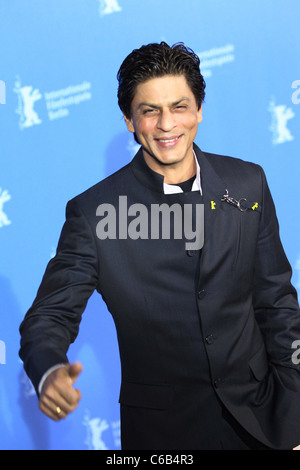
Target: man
205	331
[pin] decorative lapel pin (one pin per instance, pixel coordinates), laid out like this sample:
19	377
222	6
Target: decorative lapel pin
233	201
242	204
212	205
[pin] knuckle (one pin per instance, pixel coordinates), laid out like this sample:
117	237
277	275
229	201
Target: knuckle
49	393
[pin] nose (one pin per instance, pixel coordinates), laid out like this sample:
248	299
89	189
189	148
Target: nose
166	121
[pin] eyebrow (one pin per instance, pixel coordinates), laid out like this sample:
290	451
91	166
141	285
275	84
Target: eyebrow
150	105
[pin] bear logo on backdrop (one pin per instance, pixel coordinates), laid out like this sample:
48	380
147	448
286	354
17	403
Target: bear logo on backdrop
96	427
27	96
280	114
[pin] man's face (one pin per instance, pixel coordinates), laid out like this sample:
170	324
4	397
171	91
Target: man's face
165	118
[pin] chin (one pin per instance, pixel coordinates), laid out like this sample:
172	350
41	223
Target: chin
164	158
167	161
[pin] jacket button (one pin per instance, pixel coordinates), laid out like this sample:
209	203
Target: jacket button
201	294
209	339
192	252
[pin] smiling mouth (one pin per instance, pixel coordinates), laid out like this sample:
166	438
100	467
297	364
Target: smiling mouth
168	142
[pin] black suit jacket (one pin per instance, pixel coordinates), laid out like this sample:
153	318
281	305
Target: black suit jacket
190	336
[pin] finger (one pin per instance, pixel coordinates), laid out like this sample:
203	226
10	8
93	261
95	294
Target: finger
64	401
65	396
61	389
68	398
74	370
57	407
55	413
61	394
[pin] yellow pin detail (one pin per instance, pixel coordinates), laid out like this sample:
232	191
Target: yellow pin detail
255	206
212	205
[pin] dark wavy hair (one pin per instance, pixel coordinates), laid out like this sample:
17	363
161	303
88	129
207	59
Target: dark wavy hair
156	60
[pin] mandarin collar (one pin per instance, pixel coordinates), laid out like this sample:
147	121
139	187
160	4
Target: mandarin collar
149	178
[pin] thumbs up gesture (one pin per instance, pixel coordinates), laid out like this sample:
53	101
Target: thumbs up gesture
58	397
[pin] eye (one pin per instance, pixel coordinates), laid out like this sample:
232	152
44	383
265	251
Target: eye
149	111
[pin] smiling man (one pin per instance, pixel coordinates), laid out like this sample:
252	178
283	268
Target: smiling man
205	335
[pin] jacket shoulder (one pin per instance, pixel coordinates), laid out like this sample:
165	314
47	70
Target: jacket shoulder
236	171
229	163
105	189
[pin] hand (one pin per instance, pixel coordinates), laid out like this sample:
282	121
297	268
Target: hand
58	398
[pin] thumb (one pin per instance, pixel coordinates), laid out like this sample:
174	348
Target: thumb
74	370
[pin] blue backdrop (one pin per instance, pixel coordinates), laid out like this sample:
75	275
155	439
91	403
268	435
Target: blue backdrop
61	131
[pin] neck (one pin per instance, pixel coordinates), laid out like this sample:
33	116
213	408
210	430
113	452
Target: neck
174	173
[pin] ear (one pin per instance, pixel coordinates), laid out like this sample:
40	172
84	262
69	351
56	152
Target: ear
129	124
199	114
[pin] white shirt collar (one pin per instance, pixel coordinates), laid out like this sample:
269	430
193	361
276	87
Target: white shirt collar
173	189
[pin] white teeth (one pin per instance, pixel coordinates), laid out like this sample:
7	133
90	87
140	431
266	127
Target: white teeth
165	140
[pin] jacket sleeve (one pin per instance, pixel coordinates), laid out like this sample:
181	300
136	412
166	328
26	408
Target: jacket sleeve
52	322
274	298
